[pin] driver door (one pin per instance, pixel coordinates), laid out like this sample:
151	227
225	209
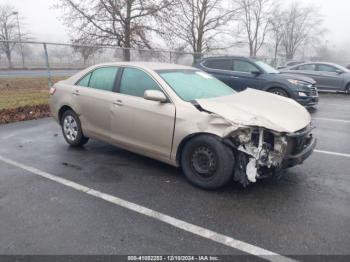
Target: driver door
244	78
141	125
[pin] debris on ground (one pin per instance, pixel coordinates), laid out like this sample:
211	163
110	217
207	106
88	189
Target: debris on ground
24	113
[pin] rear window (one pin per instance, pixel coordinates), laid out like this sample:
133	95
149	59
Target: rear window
309	67
223	64
85	80
101	78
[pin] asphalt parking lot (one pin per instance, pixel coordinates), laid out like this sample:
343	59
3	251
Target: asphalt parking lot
306	212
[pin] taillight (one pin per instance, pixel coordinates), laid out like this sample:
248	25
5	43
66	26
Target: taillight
52	90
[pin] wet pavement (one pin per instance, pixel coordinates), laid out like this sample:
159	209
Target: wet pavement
307	211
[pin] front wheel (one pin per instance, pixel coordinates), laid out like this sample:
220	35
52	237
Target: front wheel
278	91
347	90
207	162
71	129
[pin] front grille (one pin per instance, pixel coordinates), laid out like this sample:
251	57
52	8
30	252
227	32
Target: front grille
313	91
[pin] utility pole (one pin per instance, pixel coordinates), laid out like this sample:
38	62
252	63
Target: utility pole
20	37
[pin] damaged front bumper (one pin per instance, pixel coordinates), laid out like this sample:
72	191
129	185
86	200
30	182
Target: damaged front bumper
260	153
296	159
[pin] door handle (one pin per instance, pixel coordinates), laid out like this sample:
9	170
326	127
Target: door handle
76	93
118	103
234	77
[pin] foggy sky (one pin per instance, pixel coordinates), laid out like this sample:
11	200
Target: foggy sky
42	21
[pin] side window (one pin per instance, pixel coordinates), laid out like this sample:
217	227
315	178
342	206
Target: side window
84	81
243	66
223	64
103	78
326	68
307	67
135	82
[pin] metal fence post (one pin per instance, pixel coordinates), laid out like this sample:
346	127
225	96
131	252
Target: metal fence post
170	56
47	66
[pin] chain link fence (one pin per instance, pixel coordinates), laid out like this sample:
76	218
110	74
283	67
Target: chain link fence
28	68
38	55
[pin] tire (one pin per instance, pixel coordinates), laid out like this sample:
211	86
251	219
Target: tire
207	162
278	91
347	89
71	129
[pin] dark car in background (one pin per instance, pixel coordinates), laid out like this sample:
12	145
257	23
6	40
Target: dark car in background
328	76
241	73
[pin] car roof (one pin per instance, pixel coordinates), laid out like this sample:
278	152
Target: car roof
227	57
319	63
153	66
296	61
147	65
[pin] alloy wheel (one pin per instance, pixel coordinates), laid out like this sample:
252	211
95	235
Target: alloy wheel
70	128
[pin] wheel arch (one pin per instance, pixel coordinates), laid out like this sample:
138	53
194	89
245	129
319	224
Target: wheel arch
186	139
63	109
279	87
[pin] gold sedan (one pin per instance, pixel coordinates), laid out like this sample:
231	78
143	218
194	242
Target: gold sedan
186	118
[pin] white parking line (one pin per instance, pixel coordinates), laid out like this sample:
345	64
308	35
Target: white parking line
331	119
332	153
188	227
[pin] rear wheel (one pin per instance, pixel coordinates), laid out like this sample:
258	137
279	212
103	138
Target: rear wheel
207	162
71	129
347	90
278	91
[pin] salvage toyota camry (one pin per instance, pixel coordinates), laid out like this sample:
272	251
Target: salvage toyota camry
184	117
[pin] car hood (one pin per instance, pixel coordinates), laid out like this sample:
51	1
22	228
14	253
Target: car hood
287	75
258	108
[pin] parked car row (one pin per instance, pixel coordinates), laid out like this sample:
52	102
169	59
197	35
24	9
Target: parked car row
300	81
187	118
241	73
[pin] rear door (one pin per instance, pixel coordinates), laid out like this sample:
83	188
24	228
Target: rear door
329	77
220	69
94	97
305	69
308	70
141	125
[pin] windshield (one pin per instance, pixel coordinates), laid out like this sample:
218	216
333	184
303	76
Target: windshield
267	68
193	84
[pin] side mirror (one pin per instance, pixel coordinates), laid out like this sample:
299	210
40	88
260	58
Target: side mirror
155	95
256	72
339	72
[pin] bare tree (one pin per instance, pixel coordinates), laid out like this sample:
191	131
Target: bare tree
255	18
126	23
196	24
8	31
276	31
85	50
302	24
